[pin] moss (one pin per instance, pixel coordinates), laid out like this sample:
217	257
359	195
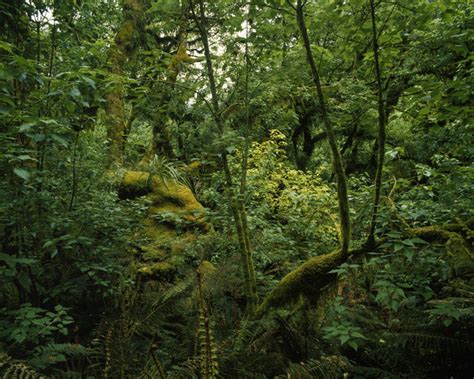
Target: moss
165	196
307	280
195	166
158	233
173	207
158	270
133	184
178	245
125	34
208	273
181	56
461	255
433	233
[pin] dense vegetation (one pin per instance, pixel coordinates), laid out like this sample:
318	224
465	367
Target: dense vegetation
236	189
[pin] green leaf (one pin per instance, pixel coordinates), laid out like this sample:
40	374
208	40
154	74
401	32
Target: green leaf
344	339
89	81
6	47
59	140
353	344
25	157
22	173
26	126
24	281
408	242
397	246
75	92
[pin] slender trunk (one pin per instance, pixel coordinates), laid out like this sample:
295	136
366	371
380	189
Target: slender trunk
337	160
236	208
243	178
74	173
161	135
381	130
119	53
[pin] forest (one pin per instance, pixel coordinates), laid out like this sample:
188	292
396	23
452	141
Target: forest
236	189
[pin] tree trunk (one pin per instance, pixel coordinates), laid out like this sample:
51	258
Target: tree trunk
337	160
124	44
238	211
382	118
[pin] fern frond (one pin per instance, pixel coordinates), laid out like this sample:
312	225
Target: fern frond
53	353
329	367
432	342
209	367
14	369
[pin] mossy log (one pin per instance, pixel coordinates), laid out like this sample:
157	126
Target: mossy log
306	280
457	239
313	275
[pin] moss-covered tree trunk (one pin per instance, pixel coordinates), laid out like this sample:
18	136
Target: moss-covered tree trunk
337	159
309	278
161	143
238	211
119	53
161	135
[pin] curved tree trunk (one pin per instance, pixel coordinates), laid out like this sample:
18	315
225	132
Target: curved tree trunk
337	159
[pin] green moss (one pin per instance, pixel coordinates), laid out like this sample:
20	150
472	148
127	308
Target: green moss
208	273
125	34
167	197
433	233
173	211
307	280
158	270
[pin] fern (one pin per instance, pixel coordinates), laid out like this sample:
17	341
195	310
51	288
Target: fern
52	353
166	170
153	368
329	367
250	331
121	346
207	347
11	369
372	372
431	342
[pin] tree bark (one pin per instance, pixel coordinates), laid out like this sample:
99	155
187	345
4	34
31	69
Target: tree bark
382	119
337	160
237	208
119	53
